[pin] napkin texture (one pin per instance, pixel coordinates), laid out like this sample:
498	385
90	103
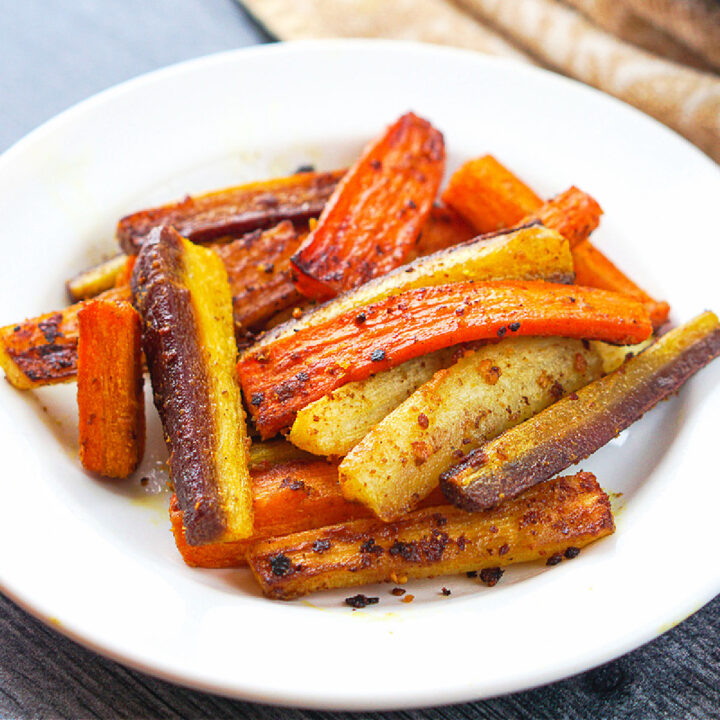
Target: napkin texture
661	56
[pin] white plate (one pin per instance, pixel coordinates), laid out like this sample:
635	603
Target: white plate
96	559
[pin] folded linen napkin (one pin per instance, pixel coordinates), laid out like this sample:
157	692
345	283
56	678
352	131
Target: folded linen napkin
636	50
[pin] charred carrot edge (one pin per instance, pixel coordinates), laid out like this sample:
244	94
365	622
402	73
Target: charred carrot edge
442	229
281	377
555	518
488	195
593	269
373	218
258	269
110	388
234	211
573	213
287	498
576	426
43	350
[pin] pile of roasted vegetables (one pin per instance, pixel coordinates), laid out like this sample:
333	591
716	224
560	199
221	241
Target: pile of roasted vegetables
360	380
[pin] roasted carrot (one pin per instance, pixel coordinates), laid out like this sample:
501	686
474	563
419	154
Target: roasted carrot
593	269
234	211
373	218
443	229
573	213
544	523
281	377
488	195
110	388
258	269
580	423
287	498
43	350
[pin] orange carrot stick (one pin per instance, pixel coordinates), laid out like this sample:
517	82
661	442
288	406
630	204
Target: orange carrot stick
573	213
110	388
593	269
289	497
488	195
369	225
283	376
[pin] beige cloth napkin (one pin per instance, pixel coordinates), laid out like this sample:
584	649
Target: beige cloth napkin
650	53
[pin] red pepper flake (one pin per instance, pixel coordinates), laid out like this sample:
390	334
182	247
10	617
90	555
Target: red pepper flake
491	576
361	601
554	559
423	421
445	591
572	552
398	592
408	599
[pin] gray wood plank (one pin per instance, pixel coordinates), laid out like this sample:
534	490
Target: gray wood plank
54	53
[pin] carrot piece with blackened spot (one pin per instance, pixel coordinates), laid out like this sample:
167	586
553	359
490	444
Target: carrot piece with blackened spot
282	377
561	513
371	222
287	498
233	211
110	388
43	350
488	195
593	269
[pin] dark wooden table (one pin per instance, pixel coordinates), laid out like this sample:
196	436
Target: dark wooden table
54	53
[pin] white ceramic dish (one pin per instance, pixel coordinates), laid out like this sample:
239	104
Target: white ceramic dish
96	560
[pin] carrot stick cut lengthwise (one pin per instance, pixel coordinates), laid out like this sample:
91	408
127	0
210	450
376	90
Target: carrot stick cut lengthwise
110	388
182	293
233	211
488	195
582	422
568	512
593	269
371	222
282	377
